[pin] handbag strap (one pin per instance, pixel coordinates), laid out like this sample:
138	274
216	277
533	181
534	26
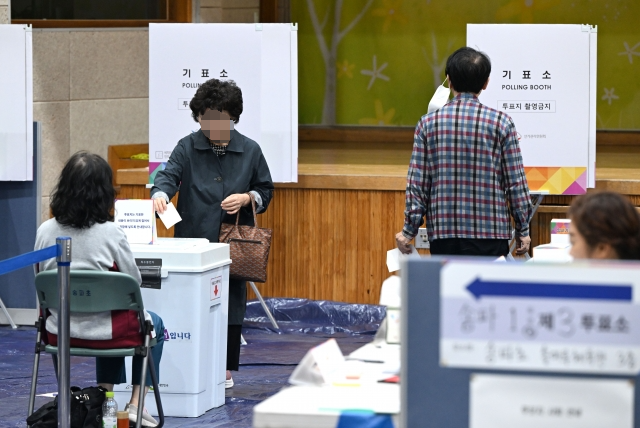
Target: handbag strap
253	206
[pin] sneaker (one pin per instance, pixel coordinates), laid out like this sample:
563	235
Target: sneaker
147	419
228	383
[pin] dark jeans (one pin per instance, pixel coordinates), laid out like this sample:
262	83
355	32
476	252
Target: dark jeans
233	347
112	369
469	247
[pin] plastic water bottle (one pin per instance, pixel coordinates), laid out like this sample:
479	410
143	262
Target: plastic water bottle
109	412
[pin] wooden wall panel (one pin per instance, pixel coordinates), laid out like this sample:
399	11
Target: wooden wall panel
327	244
331	230
330	244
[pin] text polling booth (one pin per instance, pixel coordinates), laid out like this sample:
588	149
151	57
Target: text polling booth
497	345
263	61
544	77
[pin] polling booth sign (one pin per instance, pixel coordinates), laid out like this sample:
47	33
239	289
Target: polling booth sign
575	318
488	344
16	103
544	77
260	58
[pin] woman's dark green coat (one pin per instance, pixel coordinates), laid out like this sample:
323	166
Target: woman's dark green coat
204	181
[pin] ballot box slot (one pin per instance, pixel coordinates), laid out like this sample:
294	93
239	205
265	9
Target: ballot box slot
150	271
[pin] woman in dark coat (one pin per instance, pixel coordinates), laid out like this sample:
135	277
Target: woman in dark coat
215	169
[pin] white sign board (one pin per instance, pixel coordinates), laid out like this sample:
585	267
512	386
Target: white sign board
16	103
137	218
544	77
263	61
546	402
563	318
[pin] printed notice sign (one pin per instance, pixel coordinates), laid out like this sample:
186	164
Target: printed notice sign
545	402
568	318
136	218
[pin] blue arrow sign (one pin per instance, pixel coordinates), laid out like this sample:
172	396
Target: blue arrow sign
480	288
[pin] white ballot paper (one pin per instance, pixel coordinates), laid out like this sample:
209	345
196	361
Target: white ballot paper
170	216
499	401
394	256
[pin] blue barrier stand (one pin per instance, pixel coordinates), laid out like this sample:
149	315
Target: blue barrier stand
19	262
62	252
28	259
64	367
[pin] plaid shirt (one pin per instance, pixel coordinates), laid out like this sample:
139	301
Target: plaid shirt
466	174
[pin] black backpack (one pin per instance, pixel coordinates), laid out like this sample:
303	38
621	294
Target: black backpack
86	410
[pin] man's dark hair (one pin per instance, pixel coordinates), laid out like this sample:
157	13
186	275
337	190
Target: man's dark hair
468	70
84	194
218	95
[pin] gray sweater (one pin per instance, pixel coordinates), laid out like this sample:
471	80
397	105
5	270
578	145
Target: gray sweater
100	247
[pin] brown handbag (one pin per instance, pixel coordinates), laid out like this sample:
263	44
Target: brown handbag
249	247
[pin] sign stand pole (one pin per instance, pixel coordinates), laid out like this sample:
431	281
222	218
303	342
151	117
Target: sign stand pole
64	316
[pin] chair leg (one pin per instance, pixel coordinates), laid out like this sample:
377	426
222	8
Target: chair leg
36	366
143	378
156	391
54	358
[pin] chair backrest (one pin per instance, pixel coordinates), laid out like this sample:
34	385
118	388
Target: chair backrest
91	291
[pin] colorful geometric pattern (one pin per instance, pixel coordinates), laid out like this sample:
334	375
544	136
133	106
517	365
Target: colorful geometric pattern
154	167
557	180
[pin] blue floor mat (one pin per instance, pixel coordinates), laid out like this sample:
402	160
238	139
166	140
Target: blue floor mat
265	363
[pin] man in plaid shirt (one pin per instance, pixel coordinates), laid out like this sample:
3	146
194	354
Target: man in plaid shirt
466	174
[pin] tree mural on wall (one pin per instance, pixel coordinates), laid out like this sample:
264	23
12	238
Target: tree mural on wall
415	38
437	62
329	49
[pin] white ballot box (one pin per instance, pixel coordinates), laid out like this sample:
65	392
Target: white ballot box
186	282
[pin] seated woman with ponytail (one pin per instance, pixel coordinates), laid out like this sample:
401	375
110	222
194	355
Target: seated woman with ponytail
604	225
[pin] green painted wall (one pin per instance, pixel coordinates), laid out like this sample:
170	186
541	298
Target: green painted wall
411	40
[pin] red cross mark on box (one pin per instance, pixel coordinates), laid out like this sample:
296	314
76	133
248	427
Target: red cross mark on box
216	287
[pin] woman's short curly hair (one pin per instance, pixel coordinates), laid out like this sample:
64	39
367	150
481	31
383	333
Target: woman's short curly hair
218	95
84	194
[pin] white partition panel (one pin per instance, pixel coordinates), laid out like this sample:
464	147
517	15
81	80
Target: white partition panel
544	77
16	103
260	58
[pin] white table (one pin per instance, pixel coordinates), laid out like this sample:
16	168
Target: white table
321	406
193	303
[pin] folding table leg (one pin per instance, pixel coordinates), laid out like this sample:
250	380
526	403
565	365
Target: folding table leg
6	314
264	306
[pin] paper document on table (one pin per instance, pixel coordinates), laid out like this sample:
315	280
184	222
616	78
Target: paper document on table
170	216
394	256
